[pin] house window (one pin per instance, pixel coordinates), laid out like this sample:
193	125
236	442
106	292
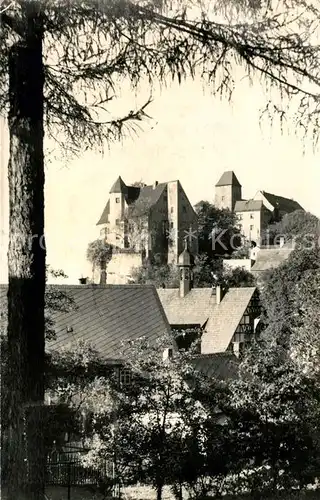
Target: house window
117	222
125	377
251	216
171	225
222	198
171	210
240	216
246	319
164	226
251	228
117	200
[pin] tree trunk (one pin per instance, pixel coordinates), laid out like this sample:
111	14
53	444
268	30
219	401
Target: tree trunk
159	490
26	262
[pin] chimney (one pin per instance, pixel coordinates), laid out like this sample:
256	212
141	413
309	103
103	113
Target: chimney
155	184
219	295
83	281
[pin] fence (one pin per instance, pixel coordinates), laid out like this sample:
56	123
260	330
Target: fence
66	469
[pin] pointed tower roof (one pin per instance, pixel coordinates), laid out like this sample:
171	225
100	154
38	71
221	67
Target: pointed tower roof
118	187
228	179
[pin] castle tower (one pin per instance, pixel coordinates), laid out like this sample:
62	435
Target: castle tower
227	191
117	207
185	264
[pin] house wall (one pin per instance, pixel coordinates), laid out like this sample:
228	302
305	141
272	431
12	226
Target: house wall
250	224
173	244
158	229
120	267
187	223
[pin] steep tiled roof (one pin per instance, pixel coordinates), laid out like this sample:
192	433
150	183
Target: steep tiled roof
193	309
228	179
223	365
269	258
149	195
223	323
283	204
248	205
118	187
104	217
107	315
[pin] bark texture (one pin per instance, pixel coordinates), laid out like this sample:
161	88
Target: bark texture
26	261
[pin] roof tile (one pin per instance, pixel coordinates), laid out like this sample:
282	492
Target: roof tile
107	315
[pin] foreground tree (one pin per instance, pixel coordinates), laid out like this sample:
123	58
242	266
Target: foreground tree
60	64
99	253
280	289
274	418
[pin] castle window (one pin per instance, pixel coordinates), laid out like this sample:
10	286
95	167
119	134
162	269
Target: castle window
117	200
171	210
117	222
251	228
171	225
222	198
251	216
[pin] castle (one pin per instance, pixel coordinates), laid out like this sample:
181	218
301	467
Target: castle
255	214
152	222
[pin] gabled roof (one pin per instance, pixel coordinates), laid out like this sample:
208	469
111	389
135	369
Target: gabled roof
223	322
104	217
283	204
222	365
107	315
269	258
248	205
199	307
193	309
118	187
228	179
149	195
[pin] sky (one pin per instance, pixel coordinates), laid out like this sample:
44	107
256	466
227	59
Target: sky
194	137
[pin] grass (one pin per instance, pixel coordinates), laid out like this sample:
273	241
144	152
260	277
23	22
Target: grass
147	493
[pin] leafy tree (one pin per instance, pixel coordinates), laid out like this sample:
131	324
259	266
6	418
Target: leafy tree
274	418
154	425
217	229
305	345
206	273
60	65
238	278
99	253
299	226
280	288
159	275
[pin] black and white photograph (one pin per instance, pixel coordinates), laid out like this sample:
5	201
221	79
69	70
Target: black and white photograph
160	249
